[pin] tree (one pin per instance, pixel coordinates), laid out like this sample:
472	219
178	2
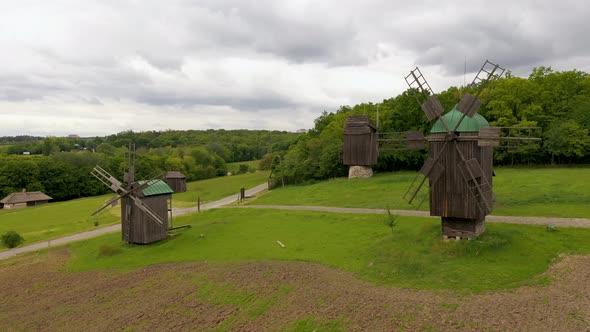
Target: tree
19	173
567	138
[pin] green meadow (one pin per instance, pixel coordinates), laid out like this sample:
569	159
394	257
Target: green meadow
549	192
216	188
58	219
53	220
234	167
410	254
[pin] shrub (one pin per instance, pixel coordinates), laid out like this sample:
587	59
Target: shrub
391	220
108	250
12	239
243	168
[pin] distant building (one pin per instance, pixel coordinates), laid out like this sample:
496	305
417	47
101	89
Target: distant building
22	199
301	131
176	180
73	136
26	153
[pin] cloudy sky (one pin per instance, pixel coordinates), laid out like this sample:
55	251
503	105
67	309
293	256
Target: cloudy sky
99	67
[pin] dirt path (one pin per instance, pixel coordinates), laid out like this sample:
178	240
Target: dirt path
272	296
562	222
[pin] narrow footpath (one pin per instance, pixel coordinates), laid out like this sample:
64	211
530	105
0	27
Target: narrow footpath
559	222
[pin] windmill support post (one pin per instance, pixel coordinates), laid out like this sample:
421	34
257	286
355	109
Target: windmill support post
462	228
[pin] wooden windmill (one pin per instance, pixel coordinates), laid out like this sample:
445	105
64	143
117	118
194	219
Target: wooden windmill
144	204
459	165
360	146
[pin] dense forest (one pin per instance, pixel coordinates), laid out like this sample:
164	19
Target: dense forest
60	166
558	102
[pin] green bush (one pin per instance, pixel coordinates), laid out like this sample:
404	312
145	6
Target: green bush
12	239
108	250
243	168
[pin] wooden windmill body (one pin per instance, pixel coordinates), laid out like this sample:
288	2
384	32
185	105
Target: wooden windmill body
145	205
137	225
360	146
461	206
459	166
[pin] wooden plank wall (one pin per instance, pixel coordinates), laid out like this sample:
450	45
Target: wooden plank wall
140	228
450	196
178	185
360	150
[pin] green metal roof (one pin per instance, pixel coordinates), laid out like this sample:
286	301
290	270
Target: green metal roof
475	123
156	187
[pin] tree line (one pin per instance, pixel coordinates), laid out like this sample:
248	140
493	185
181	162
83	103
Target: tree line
230	145
61	166
556	101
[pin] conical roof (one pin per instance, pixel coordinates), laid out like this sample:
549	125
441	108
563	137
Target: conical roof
474	123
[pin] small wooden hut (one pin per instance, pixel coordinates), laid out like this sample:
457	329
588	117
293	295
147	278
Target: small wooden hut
136	225
176	180
462	212
360	144
24	198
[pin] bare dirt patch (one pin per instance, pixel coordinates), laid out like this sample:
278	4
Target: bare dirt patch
271	296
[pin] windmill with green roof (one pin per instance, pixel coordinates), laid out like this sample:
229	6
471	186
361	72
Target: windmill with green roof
145	204
459	165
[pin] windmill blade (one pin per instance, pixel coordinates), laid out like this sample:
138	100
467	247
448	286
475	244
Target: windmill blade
396	141
146	209
417	81
432	170
476	182
469	104
415	140
520	137
113	201
430	105
488	72
432	108
489	136
107	179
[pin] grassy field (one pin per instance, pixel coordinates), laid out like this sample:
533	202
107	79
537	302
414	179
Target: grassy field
551	192
412	255
56	219
234	167
216	188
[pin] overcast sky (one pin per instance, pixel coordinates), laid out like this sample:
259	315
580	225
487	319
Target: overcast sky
101	67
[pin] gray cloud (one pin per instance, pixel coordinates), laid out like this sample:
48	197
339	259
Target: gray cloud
246	59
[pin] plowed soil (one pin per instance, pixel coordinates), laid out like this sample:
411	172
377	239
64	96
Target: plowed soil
36	294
